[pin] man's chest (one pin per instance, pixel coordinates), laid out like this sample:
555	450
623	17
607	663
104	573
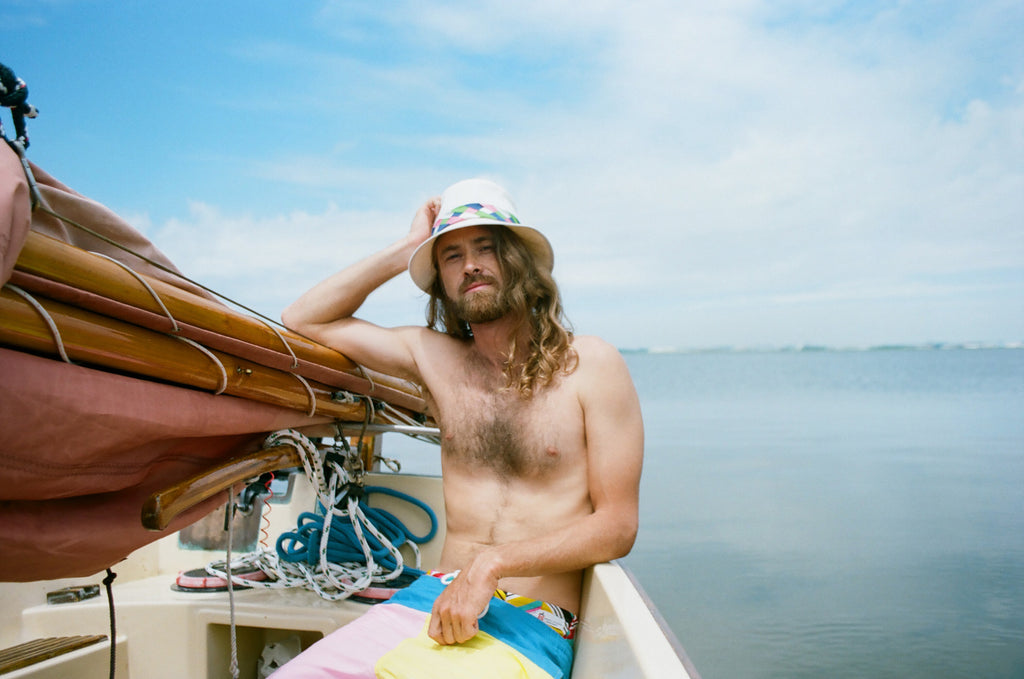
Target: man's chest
509	435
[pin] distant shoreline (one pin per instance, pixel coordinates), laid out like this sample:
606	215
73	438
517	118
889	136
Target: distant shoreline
818	348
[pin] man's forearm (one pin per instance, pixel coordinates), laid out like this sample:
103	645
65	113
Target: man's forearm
596	538
593	539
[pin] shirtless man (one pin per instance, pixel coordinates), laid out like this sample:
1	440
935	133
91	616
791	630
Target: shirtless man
541	450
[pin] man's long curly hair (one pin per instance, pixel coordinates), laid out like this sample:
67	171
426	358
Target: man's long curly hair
533	296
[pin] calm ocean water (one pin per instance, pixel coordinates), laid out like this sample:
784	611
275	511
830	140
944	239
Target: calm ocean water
836	514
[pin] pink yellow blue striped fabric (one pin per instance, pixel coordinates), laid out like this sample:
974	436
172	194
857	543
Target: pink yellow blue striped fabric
390	641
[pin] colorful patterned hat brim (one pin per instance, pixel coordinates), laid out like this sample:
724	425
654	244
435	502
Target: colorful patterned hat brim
475	202
473	211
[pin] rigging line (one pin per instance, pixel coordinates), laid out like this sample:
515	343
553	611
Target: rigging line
265	515
288	347
36	198
332	574
216	361
229	519
414	428
309	392
384	427
309	557
367	377
368	415
145	284
46	318
110	241
108	584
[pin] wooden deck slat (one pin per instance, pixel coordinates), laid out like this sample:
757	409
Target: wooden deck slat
38	650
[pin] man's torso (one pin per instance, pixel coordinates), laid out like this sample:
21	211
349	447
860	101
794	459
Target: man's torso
514	468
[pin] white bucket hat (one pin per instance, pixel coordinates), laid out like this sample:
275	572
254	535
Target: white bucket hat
475	202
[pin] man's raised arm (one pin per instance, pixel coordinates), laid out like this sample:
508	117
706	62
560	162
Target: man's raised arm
325	312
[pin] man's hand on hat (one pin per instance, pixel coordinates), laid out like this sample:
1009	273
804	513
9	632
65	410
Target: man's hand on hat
423	221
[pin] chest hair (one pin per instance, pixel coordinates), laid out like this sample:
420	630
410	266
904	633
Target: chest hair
500	432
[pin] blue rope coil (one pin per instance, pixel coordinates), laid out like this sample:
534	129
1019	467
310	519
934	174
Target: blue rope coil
303	544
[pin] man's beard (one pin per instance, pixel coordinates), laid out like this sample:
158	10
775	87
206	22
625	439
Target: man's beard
483	305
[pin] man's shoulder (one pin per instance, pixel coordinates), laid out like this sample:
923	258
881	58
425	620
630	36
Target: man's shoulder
597	361
592	348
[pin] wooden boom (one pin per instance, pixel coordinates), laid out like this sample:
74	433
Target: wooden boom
106	342
163	507
95	282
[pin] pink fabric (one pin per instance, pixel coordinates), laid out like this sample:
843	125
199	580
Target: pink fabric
79	536
14	210
353	650
81	449
71	431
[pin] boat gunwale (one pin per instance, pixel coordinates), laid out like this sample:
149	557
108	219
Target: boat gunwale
670	636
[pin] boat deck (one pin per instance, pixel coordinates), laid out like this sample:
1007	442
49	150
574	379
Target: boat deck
164	633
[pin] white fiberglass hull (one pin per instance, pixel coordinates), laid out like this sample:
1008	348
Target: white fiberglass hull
162	633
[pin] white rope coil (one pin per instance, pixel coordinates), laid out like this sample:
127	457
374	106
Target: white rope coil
329	580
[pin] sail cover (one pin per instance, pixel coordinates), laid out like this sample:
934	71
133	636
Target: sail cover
82	448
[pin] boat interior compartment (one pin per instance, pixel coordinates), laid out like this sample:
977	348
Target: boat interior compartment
165	633
153	617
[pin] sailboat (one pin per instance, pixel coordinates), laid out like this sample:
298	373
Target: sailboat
139	412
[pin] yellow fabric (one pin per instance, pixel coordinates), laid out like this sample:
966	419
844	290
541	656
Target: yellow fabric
482	656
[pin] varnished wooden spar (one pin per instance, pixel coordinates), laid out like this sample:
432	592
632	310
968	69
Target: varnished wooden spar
90	338
222	328
163	507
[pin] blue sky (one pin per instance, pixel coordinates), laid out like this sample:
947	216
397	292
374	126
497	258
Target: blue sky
733	173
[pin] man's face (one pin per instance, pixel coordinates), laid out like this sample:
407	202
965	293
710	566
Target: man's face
468	265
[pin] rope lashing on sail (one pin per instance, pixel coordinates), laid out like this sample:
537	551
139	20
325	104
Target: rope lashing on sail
45	316
344	546
367	376
305	362
223	384
309	392
145	284
288	347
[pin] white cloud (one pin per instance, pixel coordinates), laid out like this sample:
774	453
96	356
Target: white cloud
699	159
